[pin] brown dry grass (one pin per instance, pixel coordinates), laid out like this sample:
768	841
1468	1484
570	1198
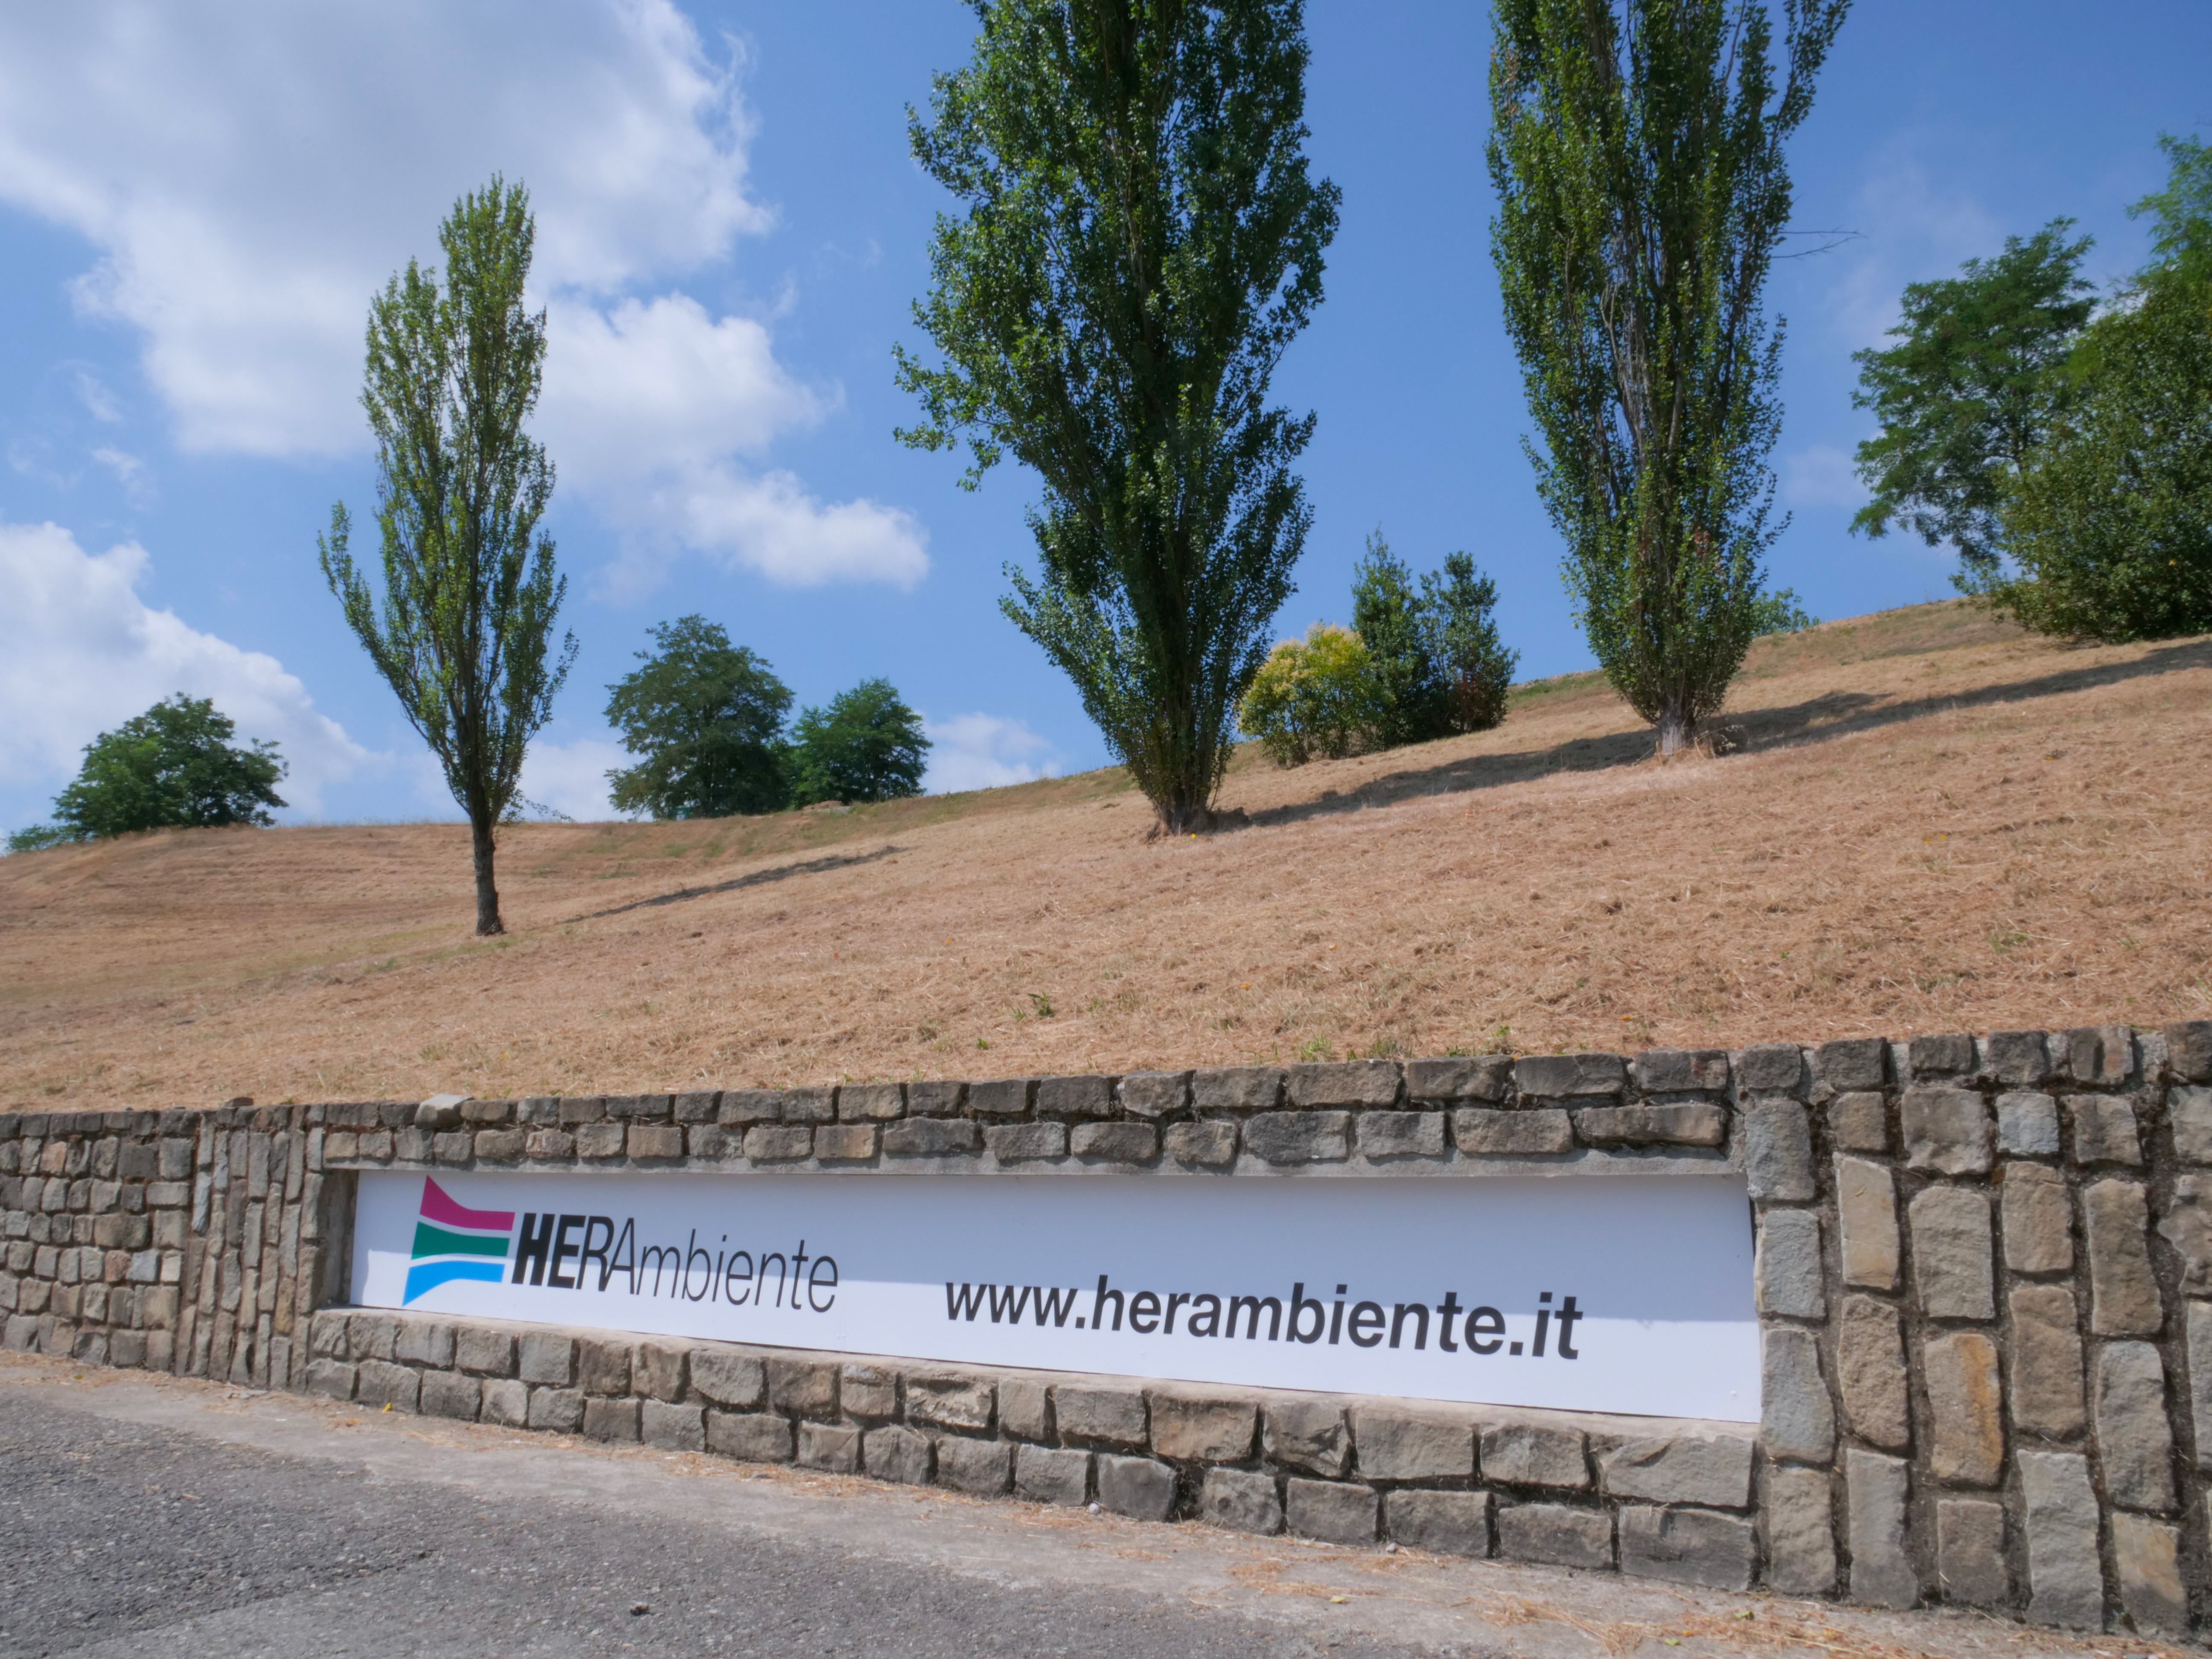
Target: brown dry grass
1935	823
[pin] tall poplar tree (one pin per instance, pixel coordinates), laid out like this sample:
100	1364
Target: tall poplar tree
466	636
1635	146
1141	243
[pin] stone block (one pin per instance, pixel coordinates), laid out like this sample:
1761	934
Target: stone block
672	1427
1555	1535
1362	1085
1866	1205
1681	1071
1481	1133
1334	1511
845	1143
1392	1447
1787	1273
1851	1063
1871	1374
2188	1050
936	1098
2020	1058
489	1352
897	1453
1234	1498
2187	1225
739	1381
1108	1417
1209	1144
1947	1055
371	1335
2027	1125
870	1103
932	1137
603	1365
330	1378
612	1420
949	1400
1307	1434
1049	1474
1859	1122
1448	1522
804	1386
560	1410
2046	1360
1797	1419
1798	1513
809	1105
1487	1077
601	1141
451	1394
1153	1094
1711	1470
1402	1134
1208	1430
1026	1143
1144	1490
1952	1253
834	1447
2147	1555
380	1382
1946	1131
506	1402
2038	1230
1560	1077
1964	1397
2124	1297
2189	1110
1084	1096
984	1468
2199	1346
1882	1574
424	1342
1237	1088
1970	1558
1001	1098
778	1143
755	1436
2104	1130
1777	1156
1687	1547
1650	1125
2134	1443
864	1390
1525	1454
2065	1576
1295	1137
1771	1068
654	1140
1024	1407
1116	1143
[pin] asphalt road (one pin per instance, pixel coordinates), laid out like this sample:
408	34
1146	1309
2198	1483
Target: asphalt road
144	1514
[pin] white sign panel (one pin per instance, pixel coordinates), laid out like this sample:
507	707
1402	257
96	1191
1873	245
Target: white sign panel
1614	1294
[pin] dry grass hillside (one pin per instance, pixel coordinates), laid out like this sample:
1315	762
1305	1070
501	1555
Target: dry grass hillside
1934	822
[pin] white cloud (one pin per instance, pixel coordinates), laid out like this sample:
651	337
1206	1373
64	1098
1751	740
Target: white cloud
81	653
1911	230
98	402
131	472
1821	475
985	752
251	173
571	778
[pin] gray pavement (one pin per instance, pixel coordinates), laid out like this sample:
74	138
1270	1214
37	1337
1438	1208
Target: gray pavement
144	1514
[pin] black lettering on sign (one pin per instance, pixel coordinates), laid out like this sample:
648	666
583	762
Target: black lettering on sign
530	1250
563	1250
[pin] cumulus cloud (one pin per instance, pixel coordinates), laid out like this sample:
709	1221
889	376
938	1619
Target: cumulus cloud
131	472
985	752
251	173
571	777
1913	230
81	653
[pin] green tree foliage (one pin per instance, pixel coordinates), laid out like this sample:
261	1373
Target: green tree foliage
470	591
1140	245
1391	619
172	767
1780	612
706	720
2109	520
867	746
1474	668
1636	150
1976	382
1318	696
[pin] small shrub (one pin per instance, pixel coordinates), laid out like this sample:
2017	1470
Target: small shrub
1317	696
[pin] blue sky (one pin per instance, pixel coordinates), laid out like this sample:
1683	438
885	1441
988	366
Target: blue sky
196	202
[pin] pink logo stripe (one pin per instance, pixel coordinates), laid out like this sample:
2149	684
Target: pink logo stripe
438	1206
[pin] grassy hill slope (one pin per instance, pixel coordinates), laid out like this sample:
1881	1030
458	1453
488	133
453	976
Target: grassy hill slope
1933	822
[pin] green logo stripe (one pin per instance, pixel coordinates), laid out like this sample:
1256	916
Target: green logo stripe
436	1241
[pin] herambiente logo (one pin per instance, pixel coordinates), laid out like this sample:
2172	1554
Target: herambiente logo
454	1242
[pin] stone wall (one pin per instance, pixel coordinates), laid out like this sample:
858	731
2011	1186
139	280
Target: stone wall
1987	1370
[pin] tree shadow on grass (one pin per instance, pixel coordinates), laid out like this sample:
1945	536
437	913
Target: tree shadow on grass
1818	719
757	878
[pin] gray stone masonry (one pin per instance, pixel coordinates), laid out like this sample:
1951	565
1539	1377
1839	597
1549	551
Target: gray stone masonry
1982	1272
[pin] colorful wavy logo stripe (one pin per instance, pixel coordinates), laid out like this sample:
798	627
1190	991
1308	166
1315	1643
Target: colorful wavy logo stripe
454	1242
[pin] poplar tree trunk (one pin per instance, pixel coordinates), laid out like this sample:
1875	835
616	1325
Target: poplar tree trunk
480	832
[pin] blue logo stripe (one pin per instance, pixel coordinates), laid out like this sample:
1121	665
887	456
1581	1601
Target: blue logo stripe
428	1275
